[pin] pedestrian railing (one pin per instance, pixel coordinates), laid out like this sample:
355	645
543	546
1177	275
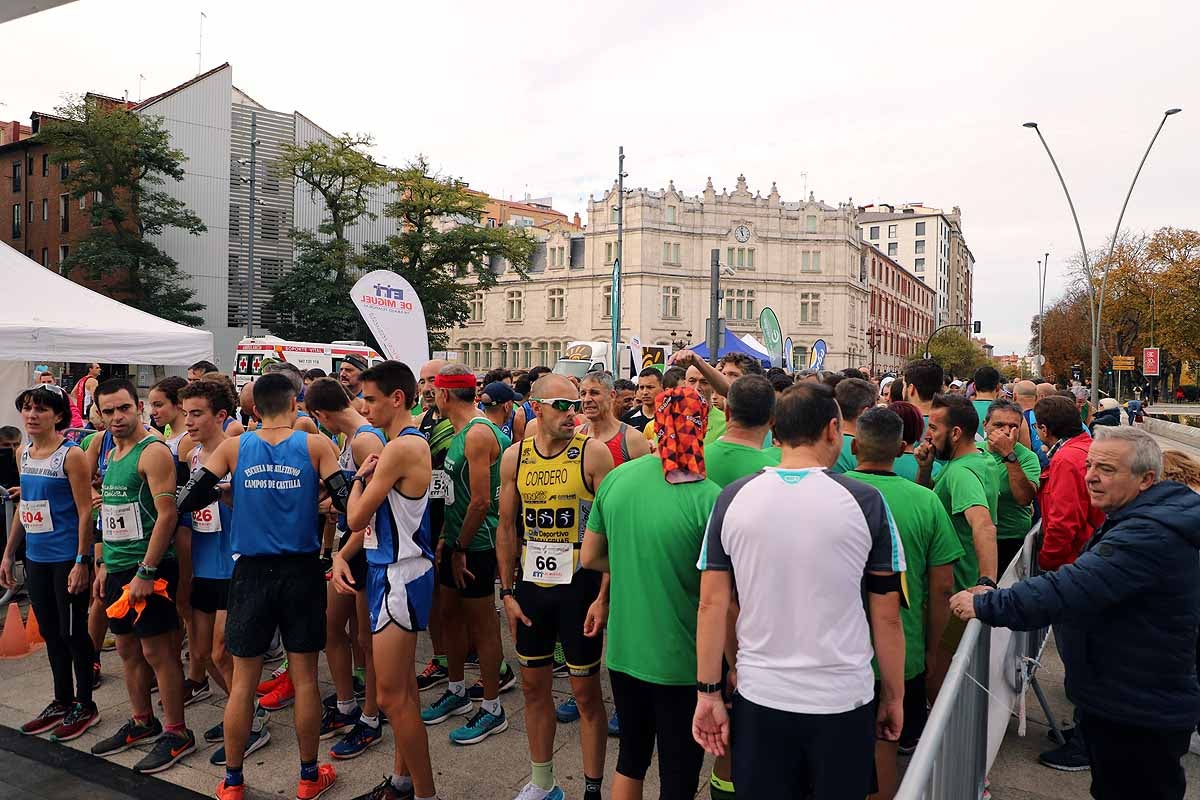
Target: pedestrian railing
952	759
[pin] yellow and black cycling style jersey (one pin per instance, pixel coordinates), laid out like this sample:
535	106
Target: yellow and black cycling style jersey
555	497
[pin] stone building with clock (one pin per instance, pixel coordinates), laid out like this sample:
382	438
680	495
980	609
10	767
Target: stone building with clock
804	259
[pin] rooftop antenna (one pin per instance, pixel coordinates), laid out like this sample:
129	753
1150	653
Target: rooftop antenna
200	47
804	175
141	78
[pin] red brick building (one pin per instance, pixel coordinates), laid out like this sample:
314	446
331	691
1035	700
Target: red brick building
41	218
902	312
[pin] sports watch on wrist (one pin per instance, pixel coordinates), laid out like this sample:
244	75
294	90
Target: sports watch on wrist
1011	458
86	560
984	580
707	688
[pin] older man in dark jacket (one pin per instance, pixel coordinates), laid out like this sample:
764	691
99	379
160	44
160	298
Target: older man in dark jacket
1125	614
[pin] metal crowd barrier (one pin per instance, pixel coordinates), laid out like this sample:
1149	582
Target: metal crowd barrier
952	758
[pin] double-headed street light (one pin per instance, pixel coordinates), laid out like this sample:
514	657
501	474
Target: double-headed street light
1096	306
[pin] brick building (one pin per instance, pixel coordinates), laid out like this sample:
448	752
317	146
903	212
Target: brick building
42	219
902	312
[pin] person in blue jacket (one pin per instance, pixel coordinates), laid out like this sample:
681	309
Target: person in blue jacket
1125	615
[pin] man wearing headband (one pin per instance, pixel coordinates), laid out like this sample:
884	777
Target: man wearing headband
350	374
646	525
466	558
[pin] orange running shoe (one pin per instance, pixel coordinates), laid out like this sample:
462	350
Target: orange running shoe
269	685
230	792
311	790
282	696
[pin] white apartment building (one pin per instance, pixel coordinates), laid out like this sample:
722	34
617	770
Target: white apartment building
929	243
804	259
209	119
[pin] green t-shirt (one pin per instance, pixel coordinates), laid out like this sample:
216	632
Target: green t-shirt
967	481
460	479
725	462
128	513
929	541
906	466
846	460
654	531
1014	521
716	425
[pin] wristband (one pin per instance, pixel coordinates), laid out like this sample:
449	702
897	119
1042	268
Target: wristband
86	560
145	571
707	688
984	580
505	593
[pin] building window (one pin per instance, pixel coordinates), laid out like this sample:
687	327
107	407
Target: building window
810	223
64	213
750	258
82	202
29	213
920	229
270	224
670	302
45	256
605	301
16	176
810	307
739	304
610	252
612	215
920	246
477	308
64	252
45	209
891	231
16	228
45	165
235	221
671	215
491	222
810	260
675	253
919	265
515	305
893	249
874	232
729	256
64	171
558	304
799	358
270	181
666	252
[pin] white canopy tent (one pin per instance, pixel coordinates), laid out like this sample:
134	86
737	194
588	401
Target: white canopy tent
51	318
755	343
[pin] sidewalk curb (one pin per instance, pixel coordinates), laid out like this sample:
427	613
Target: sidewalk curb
91	768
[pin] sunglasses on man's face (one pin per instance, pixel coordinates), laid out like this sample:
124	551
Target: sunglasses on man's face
561	403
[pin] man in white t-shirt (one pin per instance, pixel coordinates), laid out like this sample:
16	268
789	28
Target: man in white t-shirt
801	543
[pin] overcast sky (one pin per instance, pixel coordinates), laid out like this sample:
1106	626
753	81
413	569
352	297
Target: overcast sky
881	102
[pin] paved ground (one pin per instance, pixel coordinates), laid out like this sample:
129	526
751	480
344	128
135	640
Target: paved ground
1016	773
496	768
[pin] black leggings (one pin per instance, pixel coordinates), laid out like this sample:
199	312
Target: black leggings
650	712
63	619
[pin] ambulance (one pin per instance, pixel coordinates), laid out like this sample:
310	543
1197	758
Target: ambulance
253	351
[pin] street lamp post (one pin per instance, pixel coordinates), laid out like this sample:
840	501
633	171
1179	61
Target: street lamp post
679	344
1096	306
872	342
1043	269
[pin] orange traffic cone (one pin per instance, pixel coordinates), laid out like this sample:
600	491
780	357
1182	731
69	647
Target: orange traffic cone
12	640
33	632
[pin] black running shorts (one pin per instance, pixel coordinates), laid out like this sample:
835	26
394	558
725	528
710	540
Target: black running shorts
357	564
480	563
158	617
210	595
268	592
558	614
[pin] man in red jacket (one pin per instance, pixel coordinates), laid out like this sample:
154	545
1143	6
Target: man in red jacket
1068	517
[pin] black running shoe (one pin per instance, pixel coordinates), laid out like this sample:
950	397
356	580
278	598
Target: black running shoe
433	675
508	679
130	734
169	748
386	791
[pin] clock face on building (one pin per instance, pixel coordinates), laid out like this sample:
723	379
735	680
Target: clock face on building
741	233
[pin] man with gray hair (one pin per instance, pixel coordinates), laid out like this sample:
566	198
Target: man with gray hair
1125	614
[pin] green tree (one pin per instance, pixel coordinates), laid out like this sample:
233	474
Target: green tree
311	302
441	248
123	160
956	352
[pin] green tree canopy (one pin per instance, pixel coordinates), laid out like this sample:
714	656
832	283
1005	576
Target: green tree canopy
958	354
123	160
